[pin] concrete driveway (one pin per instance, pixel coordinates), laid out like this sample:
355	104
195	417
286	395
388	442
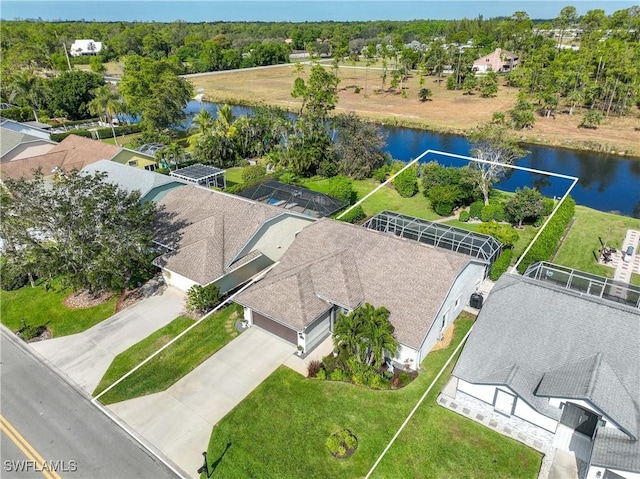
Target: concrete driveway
178	421
85	357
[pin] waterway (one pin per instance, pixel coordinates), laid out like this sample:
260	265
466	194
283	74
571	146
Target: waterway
606	182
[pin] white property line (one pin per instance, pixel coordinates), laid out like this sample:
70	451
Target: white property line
223	303
406	421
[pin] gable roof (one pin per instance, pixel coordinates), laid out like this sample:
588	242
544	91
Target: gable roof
333	262
572	346
131	179
73	152
9	139
206	229
24	128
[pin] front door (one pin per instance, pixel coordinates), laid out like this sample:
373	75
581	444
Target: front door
579	419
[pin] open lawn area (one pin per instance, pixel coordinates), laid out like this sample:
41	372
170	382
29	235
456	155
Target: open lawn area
123	140
44	307
174	362
233	176
589	228
273	86
280	430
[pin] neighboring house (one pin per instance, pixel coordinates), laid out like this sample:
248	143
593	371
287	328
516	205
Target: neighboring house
16	145
136	159
555	360
213	237
335	267
85	47
152	186
72	152
498	61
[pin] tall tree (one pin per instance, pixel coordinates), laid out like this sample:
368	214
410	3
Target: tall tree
106	104
319	93
526	204
491	144
90	232
27	89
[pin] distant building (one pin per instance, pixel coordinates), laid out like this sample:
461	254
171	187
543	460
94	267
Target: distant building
85	47
498	61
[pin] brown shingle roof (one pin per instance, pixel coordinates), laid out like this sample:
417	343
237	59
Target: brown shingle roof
73	152
206	230
336	262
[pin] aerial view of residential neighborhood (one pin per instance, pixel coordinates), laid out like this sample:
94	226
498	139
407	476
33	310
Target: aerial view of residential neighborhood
320	239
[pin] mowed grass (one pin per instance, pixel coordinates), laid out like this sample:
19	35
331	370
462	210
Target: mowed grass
45	307
588	229
233	176
123	140
280	430
174	362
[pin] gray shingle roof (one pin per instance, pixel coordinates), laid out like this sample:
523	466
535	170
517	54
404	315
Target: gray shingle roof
206	229
335	262
572	346
129	178
613	448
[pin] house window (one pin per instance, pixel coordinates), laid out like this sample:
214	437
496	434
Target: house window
444	319
487	60
503	402
457	301
133	163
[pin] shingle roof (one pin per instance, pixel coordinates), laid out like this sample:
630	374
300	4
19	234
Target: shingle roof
206	230
73	152
335	262
9	139
129	178
574	346
613	448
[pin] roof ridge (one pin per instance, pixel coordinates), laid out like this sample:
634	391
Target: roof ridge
595	373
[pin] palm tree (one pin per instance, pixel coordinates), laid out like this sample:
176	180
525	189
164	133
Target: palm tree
225	121
202	122
27	88
106	104
347	332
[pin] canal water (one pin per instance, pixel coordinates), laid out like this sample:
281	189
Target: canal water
606	182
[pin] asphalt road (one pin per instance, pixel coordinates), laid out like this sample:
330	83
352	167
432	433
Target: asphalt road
44	419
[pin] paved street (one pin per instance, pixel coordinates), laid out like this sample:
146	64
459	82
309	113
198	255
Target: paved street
44	419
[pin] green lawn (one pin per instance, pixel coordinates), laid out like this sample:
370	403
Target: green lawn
45	307
174	362
233	176
584	239
123	140
280	430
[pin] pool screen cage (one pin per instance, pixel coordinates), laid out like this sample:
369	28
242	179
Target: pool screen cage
294	198
585	283
477	245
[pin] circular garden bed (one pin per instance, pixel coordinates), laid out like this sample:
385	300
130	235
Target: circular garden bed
342	444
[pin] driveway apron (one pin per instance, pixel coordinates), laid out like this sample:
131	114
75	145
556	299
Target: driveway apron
178	421
85	357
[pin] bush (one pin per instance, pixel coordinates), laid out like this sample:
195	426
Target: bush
486	214
503	233
354	216
501	265
549	205
444	199
202	298
329	363
342	444
29	332
444	209
314	368
339	375
12	277
61	136
19	113
381	173
380	382
406	183
498	213
322	374
252	175
464	216
400	379
547	242
341	188
475	209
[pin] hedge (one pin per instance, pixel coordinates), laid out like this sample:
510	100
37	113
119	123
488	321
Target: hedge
501	265
103	133
61	136
547	242
355	215
18	113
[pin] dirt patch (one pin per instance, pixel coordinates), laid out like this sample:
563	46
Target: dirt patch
447	111
446	339
85	299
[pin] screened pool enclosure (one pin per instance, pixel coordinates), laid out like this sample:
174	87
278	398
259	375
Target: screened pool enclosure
476	245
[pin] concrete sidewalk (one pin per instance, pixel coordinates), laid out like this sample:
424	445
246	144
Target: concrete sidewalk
85	357
179	421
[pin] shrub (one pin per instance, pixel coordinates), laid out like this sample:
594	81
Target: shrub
61	136
322	374
341	188
329	363
381	173
549	205
339	375
354	216
29	332
380	382
342	443
548	240
486	214
475	209
202	298
503	233
498	213
252	175
406	183
464	216
444	199
12	277
400	379
19	113
314	368
501	265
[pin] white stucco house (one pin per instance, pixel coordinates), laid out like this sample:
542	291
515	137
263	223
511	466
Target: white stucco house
85	47
207	236
334	267
555	360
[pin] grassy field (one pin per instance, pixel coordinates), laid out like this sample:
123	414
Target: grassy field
233	176
42	307
280	430
176	361
123	140
448	111
589	228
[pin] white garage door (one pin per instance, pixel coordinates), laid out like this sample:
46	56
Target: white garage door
317	331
